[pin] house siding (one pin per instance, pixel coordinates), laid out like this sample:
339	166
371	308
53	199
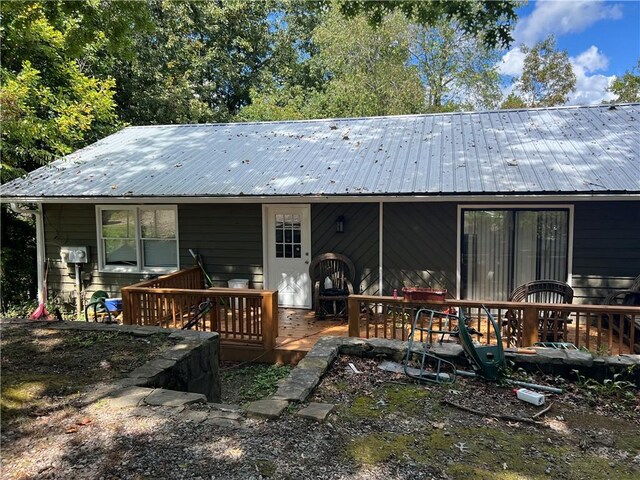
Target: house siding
228	237
75	225
419	242
359	242
606	248
419	245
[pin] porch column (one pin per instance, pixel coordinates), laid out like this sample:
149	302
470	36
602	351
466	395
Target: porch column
380	249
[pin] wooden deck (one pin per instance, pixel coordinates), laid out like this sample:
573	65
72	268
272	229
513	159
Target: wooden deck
299	330
253	328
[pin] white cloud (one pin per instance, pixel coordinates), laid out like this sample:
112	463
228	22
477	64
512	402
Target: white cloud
511	63
590	88
561	17
591	60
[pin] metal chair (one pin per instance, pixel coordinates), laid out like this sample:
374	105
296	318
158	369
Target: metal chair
332	276
552	322
100	309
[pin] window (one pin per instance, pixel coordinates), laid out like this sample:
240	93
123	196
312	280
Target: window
137	238
502	249
288	236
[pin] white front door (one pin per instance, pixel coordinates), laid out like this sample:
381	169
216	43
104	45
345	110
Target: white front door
287	253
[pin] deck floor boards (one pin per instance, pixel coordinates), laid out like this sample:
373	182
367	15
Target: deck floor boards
300	330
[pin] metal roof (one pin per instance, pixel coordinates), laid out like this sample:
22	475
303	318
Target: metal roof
593	149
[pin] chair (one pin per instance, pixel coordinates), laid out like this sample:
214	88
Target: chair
551	322
332	276
624	297
100	308
620	324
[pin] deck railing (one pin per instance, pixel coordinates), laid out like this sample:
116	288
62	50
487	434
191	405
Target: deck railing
240	316
598	328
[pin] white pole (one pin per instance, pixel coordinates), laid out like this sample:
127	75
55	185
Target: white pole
380	249
40	253
78	291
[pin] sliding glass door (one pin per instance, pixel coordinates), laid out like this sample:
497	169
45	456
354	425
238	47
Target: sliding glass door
503	248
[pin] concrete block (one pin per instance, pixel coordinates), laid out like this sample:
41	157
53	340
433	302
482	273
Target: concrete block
316	411
269	408
172	398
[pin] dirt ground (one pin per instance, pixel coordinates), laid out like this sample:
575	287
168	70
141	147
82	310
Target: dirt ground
384	426
44	369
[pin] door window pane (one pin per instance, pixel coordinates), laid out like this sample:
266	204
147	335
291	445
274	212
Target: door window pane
502	249
288	237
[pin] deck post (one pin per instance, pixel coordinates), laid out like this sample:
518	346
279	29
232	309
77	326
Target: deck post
126	306
269	320
354	316
530	326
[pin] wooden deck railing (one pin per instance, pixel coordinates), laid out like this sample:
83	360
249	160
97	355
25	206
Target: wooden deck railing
247	317
598	328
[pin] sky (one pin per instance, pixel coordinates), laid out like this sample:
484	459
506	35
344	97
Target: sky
601	37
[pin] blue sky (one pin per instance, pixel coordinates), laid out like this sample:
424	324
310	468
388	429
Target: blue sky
601	37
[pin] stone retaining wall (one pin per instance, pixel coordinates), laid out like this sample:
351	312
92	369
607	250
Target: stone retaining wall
191	365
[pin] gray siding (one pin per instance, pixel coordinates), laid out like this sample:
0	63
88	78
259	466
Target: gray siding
359	241
75	225
419	246
606	248
228	237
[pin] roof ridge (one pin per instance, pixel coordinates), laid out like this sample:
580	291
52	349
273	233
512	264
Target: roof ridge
413	115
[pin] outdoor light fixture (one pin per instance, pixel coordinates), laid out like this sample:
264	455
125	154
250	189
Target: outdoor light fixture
340	224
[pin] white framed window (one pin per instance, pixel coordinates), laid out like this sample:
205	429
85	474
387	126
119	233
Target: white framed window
137	238
503	247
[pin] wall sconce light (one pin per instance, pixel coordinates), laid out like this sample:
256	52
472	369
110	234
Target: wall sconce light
340	224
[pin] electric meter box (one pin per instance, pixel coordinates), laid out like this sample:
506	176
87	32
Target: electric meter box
74	254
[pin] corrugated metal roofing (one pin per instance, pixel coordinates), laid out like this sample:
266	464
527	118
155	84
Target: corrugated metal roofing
538	151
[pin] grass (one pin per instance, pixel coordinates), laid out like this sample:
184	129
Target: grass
243	383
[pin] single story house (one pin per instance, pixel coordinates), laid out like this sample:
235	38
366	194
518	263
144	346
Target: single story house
476	203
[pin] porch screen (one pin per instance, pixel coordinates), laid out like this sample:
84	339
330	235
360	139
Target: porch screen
502	249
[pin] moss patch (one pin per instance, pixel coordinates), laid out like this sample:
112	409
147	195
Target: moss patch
379	447
404	400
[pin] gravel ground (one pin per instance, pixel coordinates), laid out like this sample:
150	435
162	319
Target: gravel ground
383	428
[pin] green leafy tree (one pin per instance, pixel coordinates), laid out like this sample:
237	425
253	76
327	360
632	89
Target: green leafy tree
50	104
198	65
368	66
627	87
492	19
513	101
456	68
547	75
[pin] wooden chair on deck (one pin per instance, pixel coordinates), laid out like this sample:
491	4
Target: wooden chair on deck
551	324
624	297
332	276
622	323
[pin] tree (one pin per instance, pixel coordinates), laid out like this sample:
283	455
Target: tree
357	70
49	104
547	75
627	87
456	68
368	66
490	19
198	65
513	101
